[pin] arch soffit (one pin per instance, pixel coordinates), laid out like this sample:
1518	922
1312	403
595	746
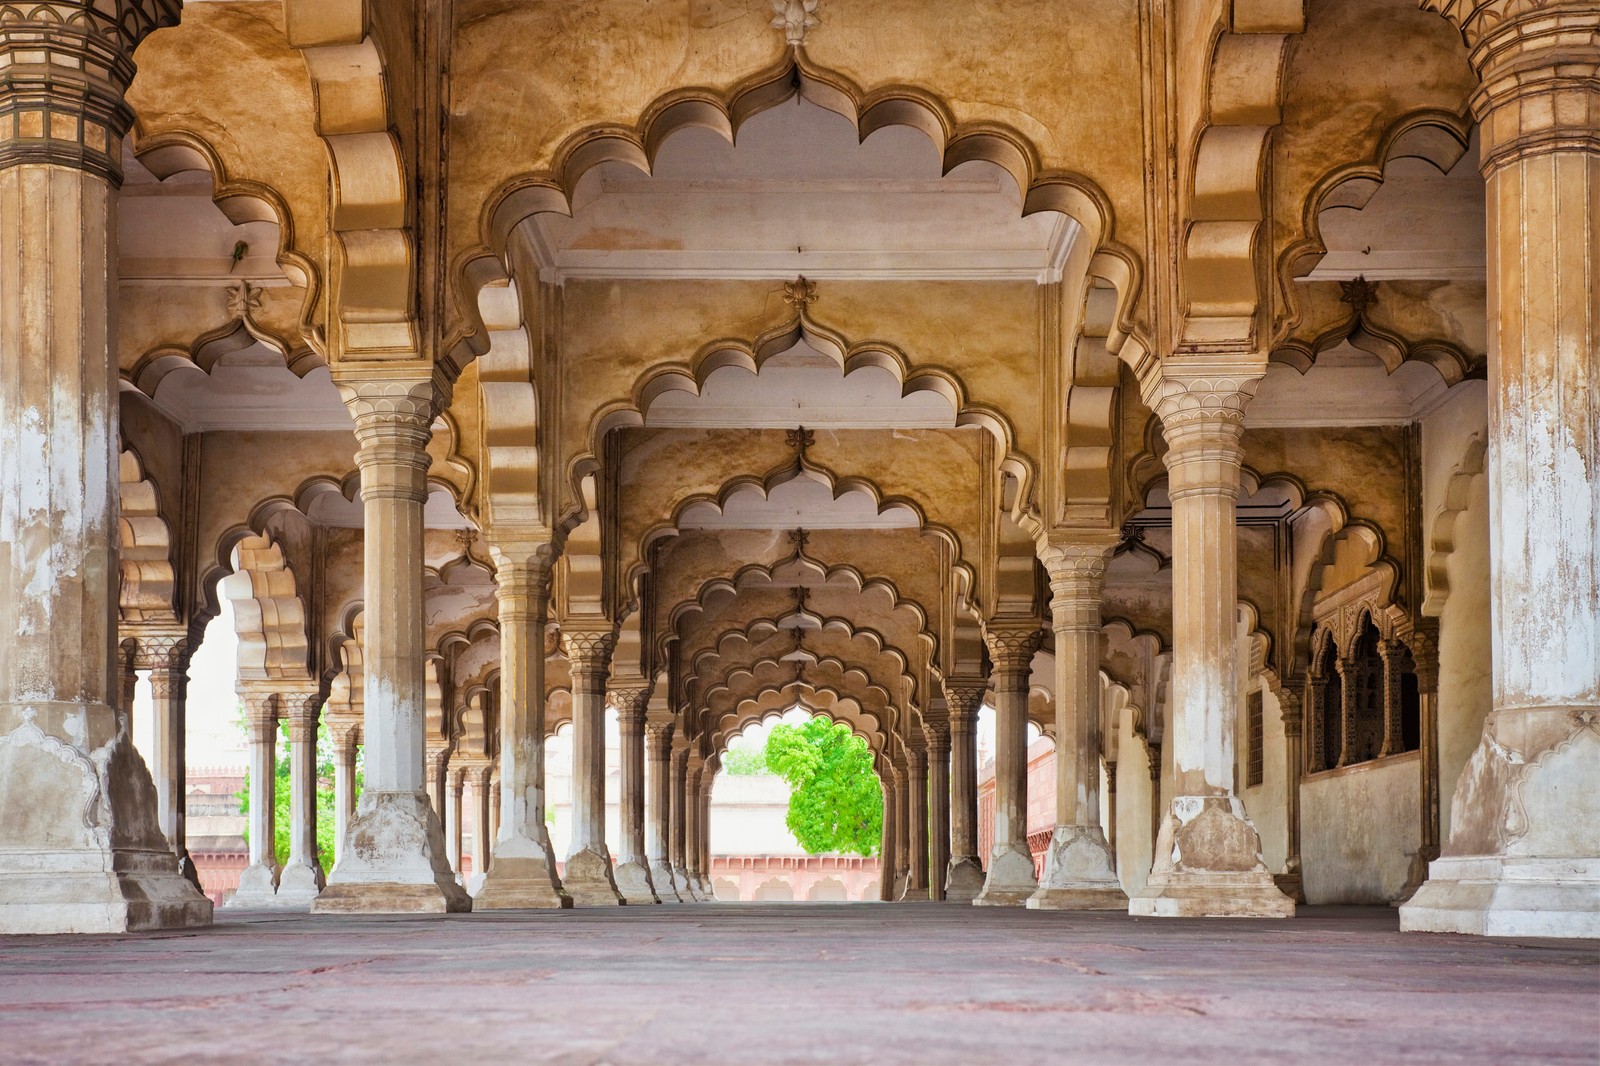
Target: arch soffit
148	588
762	712
1442	529
269	615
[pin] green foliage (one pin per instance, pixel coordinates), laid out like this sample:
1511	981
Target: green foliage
742	762
280	796
835	804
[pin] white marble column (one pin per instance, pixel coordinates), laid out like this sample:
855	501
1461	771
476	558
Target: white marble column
707	781
1523	858
633	865
658	824
394	861
917	819
692	825
1011	879
167	658
1080	871
964	878
344	786
454	809
1208	853
886	856
937	730
902	829
302	877
482	838
84	853
589	878
523	873
679	824
258	884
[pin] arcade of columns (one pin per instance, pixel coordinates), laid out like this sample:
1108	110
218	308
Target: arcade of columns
491	403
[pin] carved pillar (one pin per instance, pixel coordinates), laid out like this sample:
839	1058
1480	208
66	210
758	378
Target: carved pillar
494	807
964	879
91	859
523	873
127	681
302	877
937	731
680	829
589	879
1011	878
395	861
692	825
482	841
707	777
633	866
1424	646
658	826
1111	807
344	788
902	829
1395	659
1156	807
258	884
167	659
1523	857
1080	872
917	815
455	789
886	834
1289	881
1208	854
1350	688
1317	702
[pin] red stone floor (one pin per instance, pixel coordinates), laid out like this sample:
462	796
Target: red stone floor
799	983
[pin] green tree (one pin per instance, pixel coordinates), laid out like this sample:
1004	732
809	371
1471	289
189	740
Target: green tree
743	762
280	796
835	804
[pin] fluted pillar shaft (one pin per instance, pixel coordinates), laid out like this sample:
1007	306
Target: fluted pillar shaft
1208	853
707	776
937	731
167	659
589	878
482	841
692	825
964	877
302	876
1291	711
679	826
633	865
395	861
1011	878
344	787
455	795
1523	858
258	884
1080	872
917	813
523	871
658	825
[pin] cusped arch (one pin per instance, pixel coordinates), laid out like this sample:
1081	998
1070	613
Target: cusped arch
1442	530
148	588
268	613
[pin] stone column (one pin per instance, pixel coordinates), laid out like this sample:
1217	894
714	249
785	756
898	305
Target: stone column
84	850
1523	857
395	859
902	830
1348	691
344	788
495	793
888	861
964	878
167	659
302	877
633	868
1011	879
456	786
1153	753
1080	871
691	826
589	879
482	847
1111	806
680	827
258	884
1425	656
1208	854
658	826
1395	656
917	810
1290	882
127	681
523	873
937	731
707	777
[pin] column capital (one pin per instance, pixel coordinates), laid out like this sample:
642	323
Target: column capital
1290	706
64	66
588	650
632	700
1424	644
658	739
523	565
936	733
964	697
1012	644
160	650
916	760
260	705
1201	402
393	417
1076	561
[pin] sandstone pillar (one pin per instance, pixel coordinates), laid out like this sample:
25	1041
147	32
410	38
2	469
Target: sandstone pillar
344	786
1290	881
1111	806
1080	871
482	840
394	860
302	876
633	868
694	768
167	659
1523	858
658	827
589	879
455	790
708	776
80	846
680	826
1208	853
494	808
964	877
523	873
1011	879
258	884
937	730
917	830
886	857
1425	655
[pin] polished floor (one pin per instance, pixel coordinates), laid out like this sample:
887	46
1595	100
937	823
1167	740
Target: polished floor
799	983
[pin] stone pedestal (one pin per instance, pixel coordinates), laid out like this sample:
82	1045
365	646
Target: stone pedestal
964	876
1080	872
394	855
1010	879
81	849
1207	854
523	873
1523	858
588	877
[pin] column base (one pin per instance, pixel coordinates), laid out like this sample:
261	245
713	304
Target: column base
661	878
1208	865
685	886
707	893
589	880
258	888
1011	878
1291	884
633	881
1079	873
521	876
393	861
187	870
299	884
1499	896
83	853
964	880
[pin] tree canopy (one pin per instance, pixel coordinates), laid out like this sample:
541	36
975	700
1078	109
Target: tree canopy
835	804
